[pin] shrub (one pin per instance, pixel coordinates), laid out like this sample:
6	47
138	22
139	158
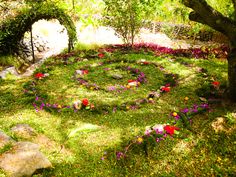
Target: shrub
127	16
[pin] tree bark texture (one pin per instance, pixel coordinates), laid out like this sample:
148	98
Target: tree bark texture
232	74
205	14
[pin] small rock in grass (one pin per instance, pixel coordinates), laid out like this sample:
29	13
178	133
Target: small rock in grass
117	76
23	160
219	124
23	130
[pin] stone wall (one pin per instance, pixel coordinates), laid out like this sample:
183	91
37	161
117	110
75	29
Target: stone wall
40	45
180	31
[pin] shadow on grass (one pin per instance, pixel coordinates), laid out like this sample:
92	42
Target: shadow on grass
12	98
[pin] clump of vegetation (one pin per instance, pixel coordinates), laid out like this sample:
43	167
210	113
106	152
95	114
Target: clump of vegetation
127	17
13	29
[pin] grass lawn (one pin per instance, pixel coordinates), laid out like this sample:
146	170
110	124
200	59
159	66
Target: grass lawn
107	138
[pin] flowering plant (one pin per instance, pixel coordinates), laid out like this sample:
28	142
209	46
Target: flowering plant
101	55
216	84
39	75
85	102
157	133
165	88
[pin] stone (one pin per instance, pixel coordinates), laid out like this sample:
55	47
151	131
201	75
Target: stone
40	48
133	84
23	130
218	124
23	160
29	58
10	70
117	76
4	139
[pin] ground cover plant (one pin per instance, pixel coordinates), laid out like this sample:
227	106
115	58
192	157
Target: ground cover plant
117	111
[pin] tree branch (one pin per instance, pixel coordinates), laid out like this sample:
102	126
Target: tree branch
205	14
234	3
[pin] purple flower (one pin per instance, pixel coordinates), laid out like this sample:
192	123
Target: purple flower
114	109
161	68
36	98
158	131
119	155
41	106
122	87
195	106
194	110
54	105
177	117
107	69
185	110
111	88
204	106
148	132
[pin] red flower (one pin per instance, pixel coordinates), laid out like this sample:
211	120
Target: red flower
39	75
145	62
101	55
170	129
165	89
215	83
85	71
85	102
129	81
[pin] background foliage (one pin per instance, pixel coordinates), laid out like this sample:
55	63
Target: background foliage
127	17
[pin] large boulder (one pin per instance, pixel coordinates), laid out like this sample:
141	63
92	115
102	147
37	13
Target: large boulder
23	159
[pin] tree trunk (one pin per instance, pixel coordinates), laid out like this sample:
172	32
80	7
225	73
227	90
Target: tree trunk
205	14
32	43
232	73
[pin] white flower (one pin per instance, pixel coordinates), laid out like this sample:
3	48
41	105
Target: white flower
77	104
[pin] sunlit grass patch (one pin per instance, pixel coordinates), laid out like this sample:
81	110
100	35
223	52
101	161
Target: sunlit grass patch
85	142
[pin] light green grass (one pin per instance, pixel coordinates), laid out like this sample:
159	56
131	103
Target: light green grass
77	141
